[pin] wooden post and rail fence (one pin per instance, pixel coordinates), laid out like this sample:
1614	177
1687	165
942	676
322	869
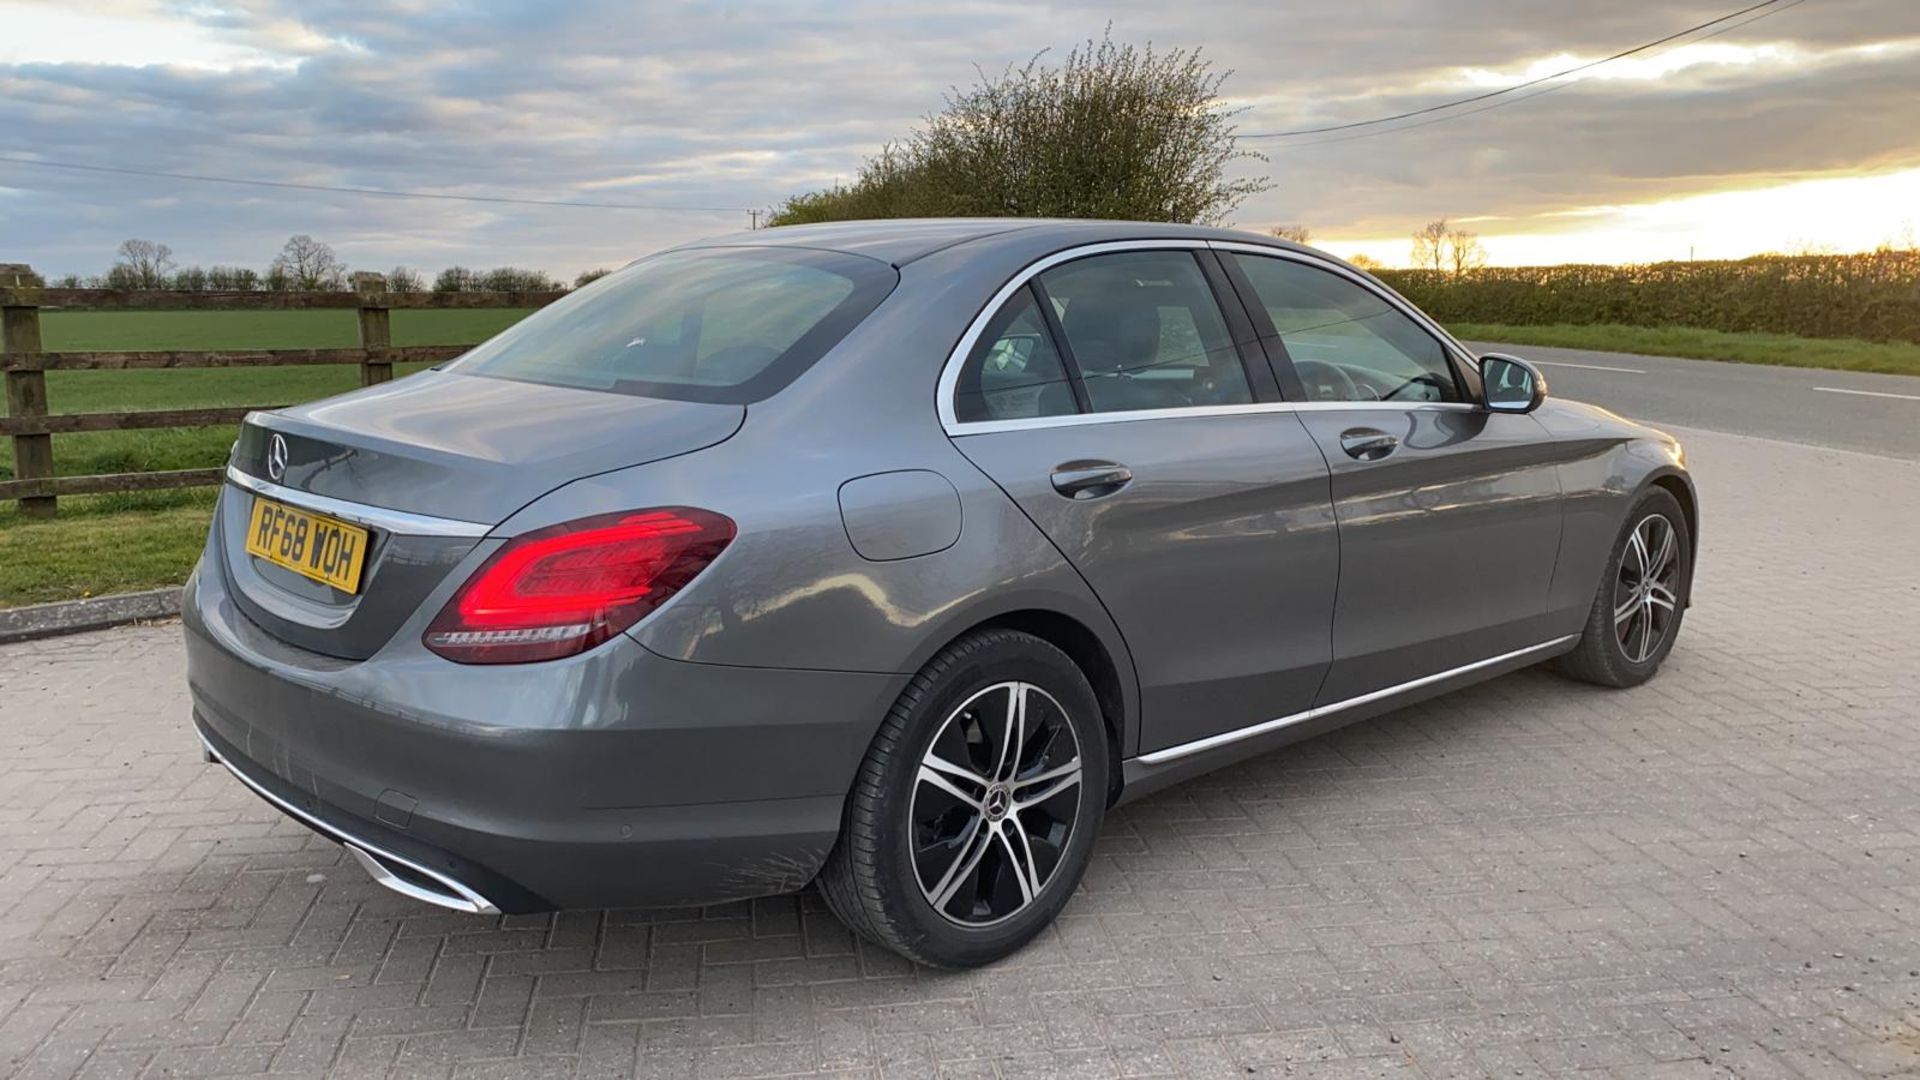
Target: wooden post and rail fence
31	424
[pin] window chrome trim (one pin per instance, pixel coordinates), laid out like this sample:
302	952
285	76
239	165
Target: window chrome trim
370	856
1227	738
1029	423
949	383
378	517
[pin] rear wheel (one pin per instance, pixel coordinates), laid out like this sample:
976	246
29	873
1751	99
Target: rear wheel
974	813
1641	600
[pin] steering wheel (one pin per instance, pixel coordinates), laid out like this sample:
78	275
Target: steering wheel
1426	381
1326	382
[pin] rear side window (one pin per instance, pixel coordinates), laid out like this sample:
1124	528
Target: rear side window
1014	371
1145	332
727	325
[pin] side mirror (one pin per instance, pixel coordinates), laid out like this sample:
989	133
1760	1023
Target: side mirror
1510	384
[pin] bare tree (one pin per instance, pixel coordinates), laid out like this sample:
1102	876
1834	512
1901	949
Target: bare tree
1464	252
403	279
1299	234
146	264
1365	262
588	277
307	265
1430	246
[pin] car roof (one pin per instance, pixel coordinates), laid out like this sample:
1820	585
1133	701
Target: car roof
902	240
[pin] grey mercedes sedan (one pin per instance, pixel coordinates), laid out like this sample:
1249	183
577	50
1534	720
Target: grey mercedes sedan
890	556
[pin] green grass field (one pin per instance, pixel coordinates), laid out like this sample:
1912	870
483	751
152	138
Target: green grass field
118	543
1781	350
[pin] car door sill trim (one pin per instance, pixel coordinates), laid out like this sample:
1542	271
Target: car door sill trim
1225	738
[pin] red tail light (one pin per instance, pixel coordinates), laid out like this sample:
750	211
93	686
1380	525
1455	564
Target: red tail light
562	590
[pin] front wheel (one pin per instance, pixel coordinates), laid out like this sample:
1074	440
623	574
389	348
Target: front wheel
974	813
1641	600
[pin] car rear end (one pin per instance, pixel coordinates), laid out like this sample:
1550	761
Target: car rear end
461	704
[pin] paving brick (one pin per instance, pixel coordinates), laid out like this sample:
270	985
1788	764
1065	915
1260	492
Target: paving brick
1526	878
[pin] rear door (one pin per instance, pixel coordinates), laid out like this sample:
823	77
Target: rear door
1449	515
1111	397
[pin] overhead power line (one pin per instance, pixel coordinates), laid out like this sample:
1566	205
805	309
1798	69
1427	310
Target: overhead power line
1516	100
385	193
1588	66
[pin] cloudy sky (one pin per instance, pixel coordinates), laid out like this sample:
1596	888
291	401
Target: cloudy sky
1799	130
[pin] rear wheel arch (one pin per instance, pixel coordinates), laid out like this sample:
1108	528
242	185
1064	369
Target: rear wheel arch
1111	676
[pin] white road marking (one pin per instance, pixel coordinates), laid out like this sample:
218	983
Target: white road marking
1590	367
1866	393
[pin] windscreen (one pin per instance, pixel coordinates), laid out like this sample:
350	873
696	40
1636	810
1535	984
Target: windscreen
719	324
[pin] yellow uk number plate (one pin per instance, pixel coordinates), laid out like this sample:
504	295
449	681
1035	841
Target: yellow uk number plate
313	545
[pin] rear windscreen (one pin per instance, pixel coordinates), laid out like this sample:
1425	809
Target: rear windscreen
719	324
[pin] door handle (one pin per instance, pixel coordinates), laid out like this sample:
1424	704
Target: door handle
1090	479
1367	444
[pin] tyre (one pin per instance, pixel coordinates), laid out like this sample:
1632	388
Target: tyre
973	815
1641	599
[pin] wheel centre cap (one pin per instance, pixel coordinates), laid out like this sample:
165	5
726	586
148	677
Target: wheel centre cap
999	801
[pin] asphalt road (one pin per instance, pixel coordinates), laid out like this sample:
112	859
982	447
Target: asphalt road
1875	414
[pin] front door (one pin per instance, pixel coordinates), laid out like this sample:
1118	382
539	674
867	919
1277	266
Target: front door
1111	402
1449	515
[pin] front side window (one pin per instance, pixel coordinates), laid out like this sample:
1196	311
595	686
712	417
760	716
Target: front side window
1347	343
1145	332
722	324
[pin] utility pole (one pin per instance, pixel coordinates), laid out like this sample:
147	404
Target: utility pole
755	219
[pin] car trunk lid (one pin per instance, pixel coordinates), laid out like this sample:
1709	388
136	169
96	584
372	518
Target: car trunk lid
427	465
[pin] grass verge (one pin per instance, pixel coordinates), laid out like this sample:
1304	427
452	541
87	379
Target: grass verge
1783	350
102	544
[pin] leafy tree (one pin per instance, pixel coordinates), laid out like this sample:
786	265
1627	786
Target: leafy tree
514	279
588	277
190	279
307	265
455	279
401	279
70	281
1365	262
143	265
233	279
1114	132
1299	234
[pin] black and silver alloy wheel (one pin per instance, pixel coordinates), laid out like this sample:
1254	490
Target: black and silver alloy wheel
1646	591
973	816
1641	599
994	804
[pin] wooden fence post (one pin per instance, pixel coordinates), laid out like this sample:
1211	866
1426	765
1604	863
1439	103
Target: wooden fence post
376	330
26	389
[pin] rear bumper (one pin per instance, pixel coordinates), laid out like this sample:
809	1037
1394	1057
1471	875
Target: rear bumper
617	778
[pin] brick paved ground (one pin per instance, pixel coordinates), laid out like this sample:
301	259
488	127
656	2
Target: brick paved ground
1715	874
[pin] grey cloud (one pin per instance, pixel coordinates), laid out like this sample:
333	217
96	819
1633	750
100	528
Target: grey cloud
741	104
